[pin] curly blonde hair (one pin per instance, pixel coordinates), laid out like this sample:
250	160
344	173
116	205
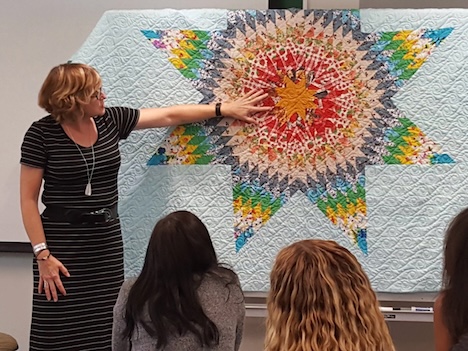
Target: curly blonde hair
67	88
320	299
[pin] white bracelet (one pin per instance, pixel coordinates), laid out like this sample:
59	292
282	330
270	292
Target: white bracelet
38	248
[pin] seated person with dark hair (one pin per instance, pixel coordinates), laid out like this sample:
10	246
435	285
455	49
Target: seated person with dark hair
183	298
451	306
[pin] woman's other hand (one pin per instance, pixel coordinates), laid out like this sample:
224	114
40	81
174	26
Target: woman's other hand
49	277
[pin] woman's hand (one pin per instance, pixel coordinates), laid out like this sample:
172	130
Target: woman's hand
246	106
49	277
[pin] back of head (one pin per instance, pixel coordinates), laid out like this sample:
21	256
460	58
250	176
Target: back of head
180	253
455	283
321	299
67	88
180	248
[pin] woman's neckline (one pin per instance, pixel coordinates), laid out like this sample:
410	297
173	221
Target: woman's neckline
79	138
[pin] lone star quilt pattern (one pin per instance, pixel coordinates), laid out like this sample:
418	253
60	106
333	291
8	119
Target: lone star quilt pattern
365	142
330	87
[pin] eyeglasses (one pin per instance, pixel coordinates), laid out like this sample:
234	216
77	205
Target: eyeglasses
99	94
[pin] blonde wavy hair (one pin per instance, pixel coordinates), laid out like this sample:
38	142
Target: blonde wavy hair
67	88
320	299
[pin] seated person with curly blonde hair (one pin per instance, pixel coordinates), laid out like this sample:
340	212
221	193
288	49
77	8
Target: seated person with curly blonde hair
321	300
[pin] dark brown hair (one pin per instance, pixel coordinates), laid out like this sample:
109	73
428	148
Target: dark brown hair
455	276
180	253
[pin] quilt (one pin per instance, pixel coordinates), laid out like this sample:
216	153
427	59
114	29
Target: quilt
364	143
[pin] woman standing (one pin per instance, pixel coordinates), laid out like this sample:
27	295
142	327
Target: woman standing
77	242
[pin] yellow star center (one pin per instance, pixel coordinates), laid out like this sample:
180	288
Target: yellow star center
295	97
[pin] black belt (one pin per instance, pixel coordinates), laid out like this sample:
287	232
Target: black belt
79	216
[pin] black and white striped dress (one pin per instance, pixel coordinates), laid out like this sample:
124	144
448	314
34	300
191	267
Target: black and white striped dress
93	254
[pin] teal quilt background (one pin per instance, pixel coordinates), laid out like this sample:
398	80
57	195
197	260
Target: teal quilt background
410	188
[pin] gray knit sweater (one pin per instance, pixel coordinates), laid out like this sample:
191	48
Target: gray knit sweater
462	344
224	305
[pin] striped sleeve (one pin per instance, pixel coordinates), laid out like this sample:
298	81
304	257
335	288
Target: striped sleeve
32	149
125	118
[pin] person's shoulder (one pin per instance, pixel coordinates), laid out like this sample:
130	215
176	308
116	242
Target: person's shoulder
46	121
222	277
462	344
113	110
438	302
222	285
226	273
43	125
116	113
128	283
